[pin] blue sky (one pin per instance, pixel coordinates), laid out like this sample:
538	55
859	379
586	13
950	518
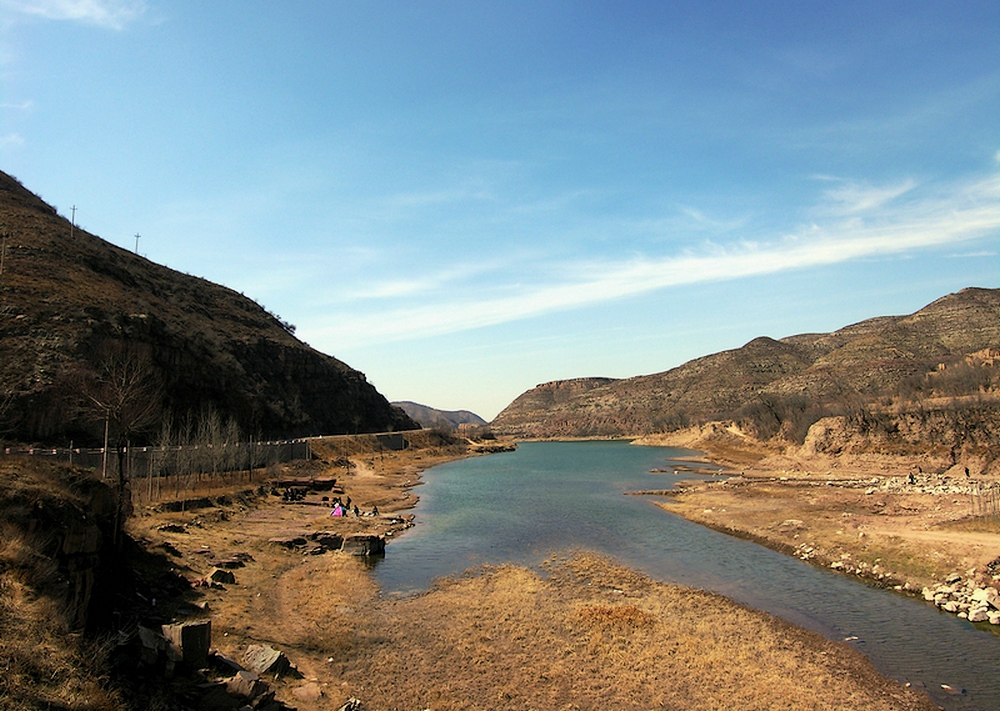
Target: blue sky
465	199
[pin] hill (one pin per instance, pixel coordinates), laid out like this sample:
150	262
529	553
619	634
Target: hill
76	312
431	417
779	388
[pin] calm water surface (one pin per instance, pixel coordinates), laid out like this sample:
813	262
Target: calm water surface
550	497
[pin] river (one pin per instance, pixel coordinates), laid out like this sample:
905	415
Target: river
552	497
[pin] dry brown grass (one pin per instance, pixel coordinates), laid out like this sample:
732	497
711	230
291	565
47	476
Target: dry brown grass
594	635
43	664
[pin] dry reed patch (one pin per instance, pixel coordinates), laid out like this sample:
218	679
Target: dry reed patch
619	617
593	634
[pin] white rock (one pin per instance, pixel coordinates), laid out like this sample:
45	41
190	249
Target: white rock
991	597
978	614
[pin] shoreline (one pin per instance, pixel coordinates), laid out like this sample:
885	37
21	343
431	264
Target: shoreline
880	522
326	613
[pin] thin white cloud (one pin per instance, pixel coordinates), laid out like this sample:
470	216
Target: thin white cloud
952	216
980	254
458	277
851	198
710	222
18	106
109	14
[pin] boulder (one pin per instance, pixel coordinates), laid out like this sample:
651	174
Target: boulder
151	643
978	614
988	595
308	692
266	660
226	577
245	685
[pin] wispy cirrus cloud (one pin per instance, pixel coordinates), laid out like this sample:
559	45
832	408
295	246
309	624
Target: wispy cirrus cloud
108	14
27	105
854	198
878	225
11	140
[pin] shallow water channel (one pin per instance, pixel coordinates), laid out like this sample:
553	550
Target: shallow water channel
551	497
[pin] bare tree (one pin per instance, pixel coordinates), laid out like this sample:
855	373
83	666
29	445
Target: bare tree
125	392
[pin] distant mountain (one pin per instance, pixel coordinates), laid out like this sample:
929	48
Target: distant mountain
429	417
70	302
781	386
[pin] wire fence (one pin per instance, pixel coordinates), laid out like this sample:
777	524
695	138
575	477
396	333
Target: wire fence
157	472
177	472
986	500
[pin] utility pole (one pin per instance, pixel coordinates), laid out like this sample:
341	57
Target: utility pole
72	222
136	242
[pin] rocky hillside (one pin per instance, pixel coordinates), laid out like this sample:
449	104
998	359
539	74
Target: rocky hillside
780	387
73	308
431	417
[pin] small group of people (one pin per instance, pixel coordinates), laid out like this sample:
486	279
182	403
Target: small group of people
341	508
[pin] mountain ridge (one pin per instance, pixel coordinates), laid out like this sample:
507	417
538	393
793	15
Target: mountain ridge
857	364
432	417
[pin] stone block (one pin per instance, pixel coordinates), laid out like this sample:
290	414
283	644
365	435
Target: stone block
364	545
190	642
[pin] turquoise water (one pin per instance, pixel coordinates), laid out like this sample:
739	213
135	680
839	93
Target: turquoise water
553	497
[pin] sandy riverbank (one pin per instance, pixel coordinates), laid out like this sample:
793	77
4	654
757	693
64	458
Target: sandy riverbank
587	634
895	521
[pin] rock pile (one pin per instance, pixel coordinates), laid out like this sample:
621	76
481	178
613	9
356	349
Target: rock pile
967	599
936	484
